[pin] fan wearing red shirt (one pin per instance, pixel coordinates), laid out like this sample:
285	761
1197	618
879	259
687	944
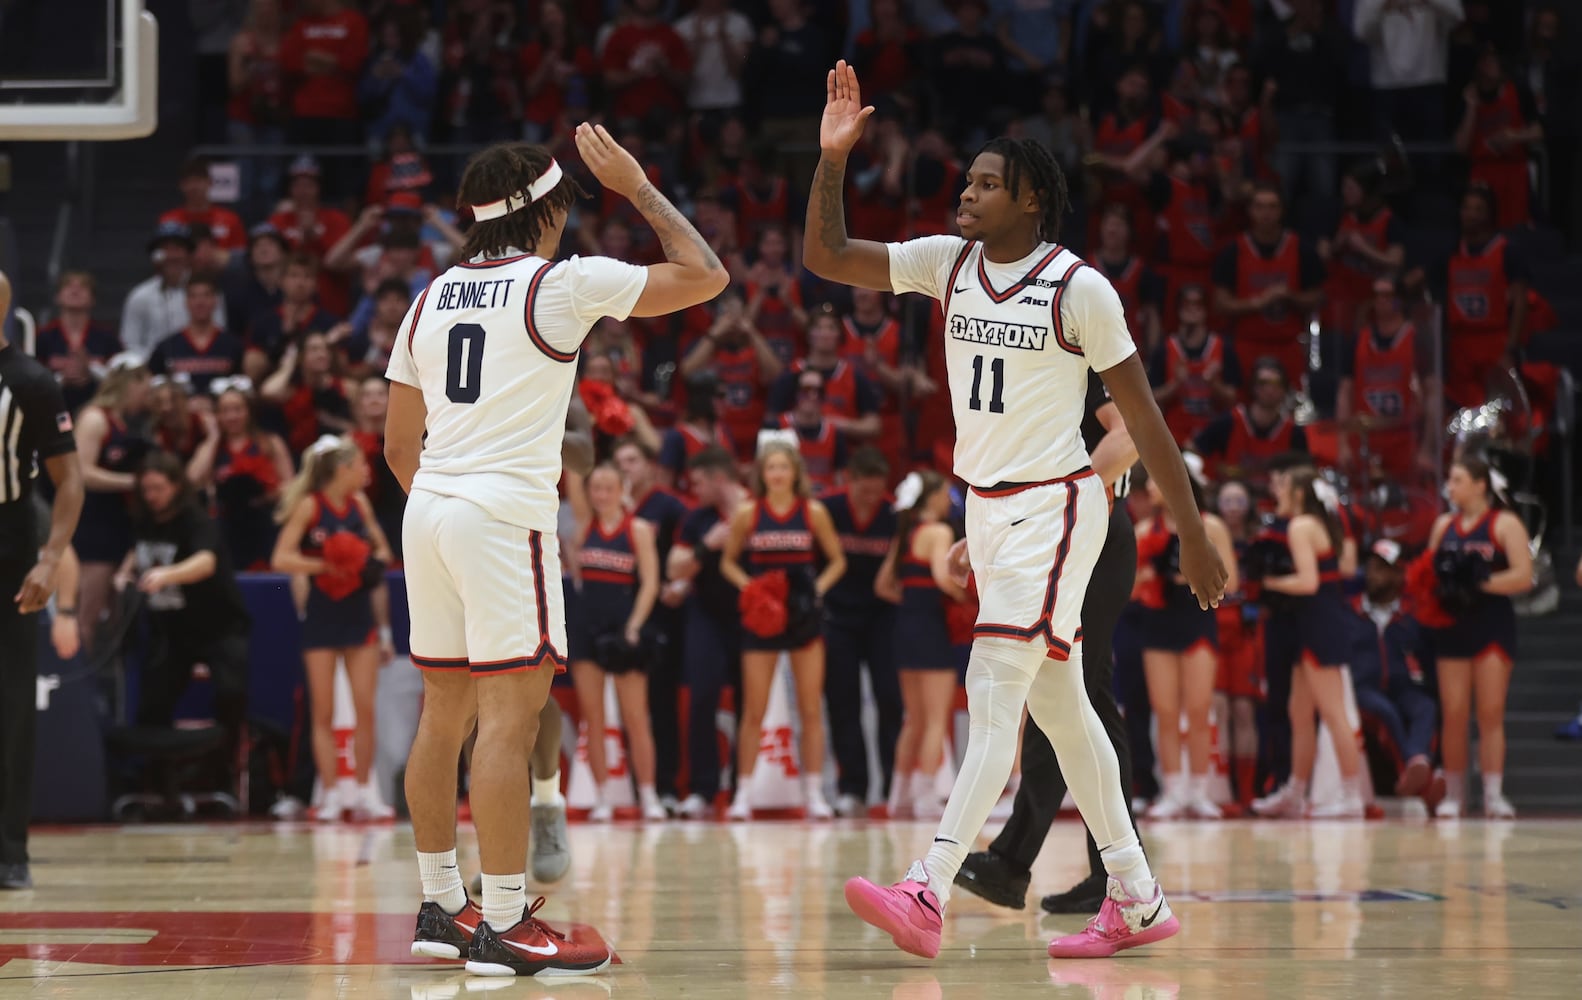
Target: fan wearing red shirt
324	54
744	364
774	298
1140	288
821	444
1186	199
311	228
1379	381
647	66
1500	122
551	62
197	210
851	402
1194	373
700	426
1367	246
1123	139
1241	444
1268	282
1485	301
890	53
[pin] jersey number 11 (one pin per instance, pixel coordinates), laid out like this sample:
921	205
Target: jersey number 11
996	390
464	365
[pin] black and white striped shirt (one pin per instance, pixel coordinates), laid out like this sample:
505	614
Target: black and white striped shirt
34	425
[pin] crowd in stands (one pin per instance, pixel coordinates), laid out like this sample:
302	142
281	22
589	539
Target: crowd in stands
1198	137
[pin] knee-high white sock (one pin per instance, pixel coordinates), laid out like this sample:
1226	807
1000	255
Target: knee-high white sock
1059	704
998	676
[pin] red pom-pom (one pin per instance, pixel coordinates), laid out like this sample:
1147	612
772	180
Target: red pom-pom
763	604
346	553
608	410
1151	546
1422	590
338	586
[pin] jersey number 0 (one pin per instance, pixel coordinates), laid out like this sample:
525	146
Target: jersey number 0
464	366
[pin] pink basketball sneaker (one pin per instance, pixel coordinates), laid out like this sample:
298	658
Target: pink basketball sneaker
908	911
1122	922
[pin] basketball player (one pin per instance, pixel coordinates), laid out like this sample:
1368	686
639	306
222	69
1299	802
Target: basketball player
488	622
1025	319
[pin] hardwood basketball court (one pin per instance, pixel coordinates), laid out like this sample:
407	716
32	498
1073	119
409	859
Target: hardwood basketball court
702	910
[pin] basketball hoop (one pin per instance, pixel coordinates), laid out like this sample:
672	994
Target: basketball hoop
130	112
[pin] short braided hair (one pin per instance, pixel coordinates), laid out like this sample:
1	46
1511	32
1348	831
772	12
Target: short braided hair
1027	159
498	173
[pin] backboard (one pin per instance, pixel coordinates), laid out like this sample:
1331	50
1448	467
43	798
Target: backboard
77	69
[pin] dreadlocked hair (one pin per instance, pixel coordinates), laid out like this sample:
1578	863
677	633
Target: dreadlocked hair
500	172
1027	159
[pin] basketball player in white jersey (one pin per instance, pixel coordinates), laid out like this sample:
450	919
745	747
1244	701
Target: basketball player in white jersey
485	368
1024	321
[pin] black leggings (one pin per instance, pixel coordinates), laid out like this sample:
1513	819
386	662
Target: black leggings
1043	786
168	671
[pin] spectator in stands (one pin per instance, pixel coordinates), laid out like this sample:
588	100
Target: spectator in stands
384	490
647	66
306	223
1186	200
201	350
784	79
402	168
257	113
1123	145
252	282
1114	46
850	401
1498	125
178	428
296	315
614	415
1239	444
554	63
72	345
196	611
1208	45
1268	282
1058	127
1553	72
700	427
1195	373
1390	657
822	446
1408	55
718	40
1251	123
1485	284
307	386
890	55
213	27
1141	289
157	307
744	364
1388	384
198	210
323	54
1306	63
399	84
208	257
110	447
1034	35
1367	246
774	298
247	466
480	88
368	348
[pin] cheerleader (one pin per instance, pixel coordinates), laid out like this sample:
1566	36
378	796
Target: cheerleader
1180	655
329	533
916	576
1310	619
1239	685
176	427
619	565
247	467
783	530
110	452
1483	558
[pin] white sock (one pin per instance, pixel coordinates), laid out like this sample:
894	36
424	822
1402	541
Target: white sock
1493	785
1200	787
813	787
442	880
1299	787
900	789
504	899
647	796
1129	866
998	675
546	791
1455	786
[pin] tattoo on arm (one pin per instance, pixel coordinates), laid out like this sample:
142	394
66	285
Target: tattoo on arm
674	231
828	189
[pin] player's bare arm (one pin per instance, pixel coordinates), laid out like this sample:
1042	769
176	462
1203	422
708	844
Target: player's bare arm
1200	562
826	249
731	557
692	273
576	448
405	422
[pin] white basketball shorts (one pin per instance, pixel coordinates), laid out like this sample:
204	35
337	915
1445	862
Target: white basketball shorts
1033	550
484	595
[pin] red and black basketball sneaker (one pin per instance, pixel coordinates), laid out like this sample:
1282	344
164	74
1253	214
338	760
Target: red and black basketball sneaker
444	935
532	948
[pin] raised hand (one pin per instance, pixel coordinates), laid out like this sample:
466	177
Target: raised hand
844	112
615	168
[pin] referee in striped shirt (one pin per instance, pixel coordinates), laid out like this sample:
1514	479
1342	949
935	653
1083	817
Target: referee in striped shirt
35	427
1002	873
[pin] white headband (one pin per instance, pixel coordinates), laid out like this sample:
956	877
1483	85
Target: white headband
1327	495
1194	466
325	444
908	492
240	383
505	206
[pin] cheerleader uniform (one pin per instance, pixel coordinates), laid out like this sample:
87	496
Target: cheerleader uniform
245	479
609	588
922	641
349	621
784	542
1180	625
104	532
1490	625
1240	643
1311	628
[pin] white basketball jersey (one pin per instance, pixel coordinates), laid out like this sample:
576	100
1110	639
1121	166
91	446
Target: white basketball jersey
492	345
1019	340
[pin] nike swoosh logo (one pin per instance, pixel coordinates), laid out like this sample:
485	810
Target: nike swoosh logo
1148	921
967	289
1015	523
547	951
